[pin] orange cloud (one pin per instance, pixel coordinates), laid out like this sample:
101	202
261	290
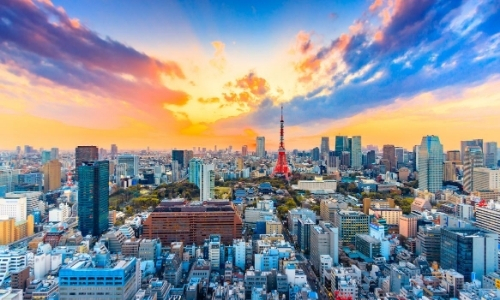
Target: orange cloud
219	59
257	85
375	5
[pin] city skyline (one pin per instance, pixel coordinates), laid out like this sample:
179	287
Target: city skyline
178	75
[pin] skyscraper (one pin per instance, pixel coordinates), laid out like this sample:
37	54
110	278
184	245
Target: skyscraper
54	153
465	144
356	154
51	175
132	162
315	154
473	158
389	153
178	155
261	147
325	146
194	171
341	144
207	182
453	156
430	164
490	154
45	156
114	150
400	152
93	197
244	150
370	157
85	154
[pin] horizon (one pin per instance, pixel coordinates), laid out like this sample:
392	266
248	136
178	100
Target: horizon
175	74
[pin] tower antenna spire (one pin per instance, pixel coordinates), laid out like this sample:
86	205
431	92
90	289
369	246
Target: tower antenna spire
282	168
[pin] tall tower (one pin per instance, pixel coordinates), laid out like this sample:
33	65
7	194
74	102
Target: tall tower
430	164
281	168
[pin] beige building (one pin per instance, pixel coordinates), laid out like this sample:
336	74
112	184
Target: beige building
52	175
420	204
454	156
317	184
408	225
486	179
391	215
404	173
487	194
329	207
274	226
449	171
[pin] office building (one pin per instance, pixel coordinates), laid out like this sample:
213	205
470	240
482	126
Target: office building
324	241
454	156
30	182
178	155
341	144
318	183
390	214
120	171
261	147
83	279
244	150
356	154
132	164
329	207
304	227
93	197
368	245
491	154
485	179
370	157
350	223
85	154
45	156
400	153
389	154
12	230
11	261
465	144
487	217
193	222
430	164
315	154
51	175
325	146
449	171
469	250
473	158
9	178
408	225
114	151
14	208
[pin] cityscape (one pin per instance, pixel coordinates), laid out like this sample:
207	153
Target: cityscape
260	150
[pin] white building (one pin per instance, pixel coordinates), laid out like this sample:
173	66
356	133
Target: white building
240	252
261	147
13	208
485	179
31	199
60	214
214	251
11	261
317	184
325	263
207	182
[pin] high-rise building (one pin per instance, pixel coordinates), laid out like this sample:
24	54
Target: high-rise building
45	156
469	250
93	197
261	147
85	154
473	158
454	156
429	243
370	157
465	144
244	150
490	154
430	164
449	171
114	151
132	162
416	150
325	146
14	208
52	175
207	182
341	144
324	240
356	154
389	153
194	171
408	225
178	155
188	155
315	154
399	155
349	224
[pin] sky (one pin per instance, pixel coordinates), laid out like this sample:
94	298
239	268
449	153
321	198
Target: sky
183	74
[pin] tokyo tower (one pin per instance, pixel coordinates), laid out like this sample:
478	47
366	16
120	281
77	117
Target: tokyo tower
281	169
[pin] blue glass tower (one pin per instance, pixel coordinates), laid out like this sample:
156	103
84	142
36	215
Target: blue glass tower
93	197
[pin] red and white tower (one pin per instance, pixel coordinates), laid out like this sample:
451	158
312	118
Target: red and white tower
282	168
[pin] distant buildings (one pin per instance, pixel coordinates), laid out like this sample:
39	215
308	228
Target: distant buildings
93	197
465	144
325	146
52	175
389	154
430	164
132	164
491	154
356	154
203	176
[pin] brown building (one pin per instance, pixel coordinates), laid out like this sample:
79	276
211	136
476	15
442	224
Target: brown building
52	175
449	171
19	278
83	154
403	174
454	156
192	222
389	153
408	225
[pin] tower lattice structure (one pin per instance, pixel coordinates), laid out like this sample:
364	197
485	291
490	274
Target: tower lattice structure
282	168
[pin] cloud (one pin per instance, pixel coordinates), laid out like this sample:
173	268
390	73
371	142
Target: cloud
44	41
219	59
251	82
209	100
375	5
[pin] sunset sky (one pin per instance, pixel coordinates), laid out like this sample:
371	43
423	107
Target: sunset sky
184	74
